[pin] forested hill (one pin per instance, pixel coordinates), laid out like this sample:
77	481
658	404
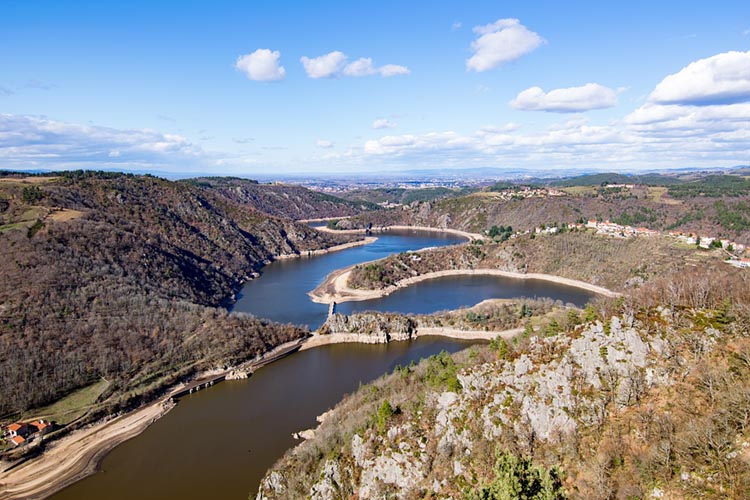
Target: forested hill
119	276
281	200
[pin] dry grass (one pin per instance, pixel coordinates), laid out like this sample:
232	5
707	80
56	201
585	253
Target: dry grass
71	406
64	215
20	181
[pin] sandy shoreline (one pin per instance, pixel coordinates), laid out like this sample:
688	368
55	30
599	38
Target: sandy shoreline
80	453
323	219
309	253
385	229
335	288
317	340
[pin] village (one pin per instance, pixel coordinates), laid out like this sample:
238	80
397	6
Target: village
737	254
524	192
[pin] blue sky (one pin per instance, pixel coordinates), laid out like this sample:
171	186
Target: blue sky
198	86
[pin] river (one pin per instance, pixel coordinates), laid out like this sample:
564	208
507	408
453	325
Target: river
219	442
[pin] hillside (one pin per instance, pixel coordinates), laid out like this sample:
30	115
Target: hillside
712	205
288	201
648	398
403	196
120	277
612	263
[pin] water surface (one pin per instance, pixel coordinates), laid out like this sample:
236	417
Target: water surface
453	292
218	443
280	293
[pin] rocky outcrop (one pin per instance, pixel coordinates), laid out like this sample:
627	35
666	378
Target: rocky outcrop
372	328
551	399
237	375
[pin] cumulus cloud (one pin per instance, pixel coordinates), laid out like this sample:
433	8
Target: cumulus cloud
720	79
361	67
325	66
501	42
655	136
334	65
263	65
382	123
324	144
707	102
566	100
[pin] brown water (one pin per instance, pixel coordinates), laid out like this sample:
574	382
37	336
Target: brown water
218	443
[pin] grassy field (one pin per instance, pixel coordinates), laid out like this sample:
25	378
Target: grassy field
580	190
72	406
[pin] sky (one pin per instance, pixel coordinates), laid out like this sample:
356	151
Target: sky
246	88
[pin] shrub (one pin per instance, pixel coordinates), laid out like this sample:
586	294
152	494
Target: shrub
518	478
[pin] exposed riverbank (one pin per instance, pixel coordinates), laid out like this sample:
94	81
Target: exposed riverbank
80	453
317	340
365	241
76	455
335	288
385	229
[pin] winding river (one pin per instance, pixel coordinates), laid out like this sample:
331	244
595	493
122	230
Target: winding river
219	442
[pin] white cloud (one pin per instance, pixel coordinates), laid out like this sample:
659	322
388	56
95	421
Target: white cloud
361	67
30	141
566	100
382	123
324	144
720	79
501	42
654	136
325	66
261	66
333	65
456	26
393	70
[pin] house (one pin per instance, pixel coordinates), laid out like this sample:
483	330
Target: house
18	429
41	427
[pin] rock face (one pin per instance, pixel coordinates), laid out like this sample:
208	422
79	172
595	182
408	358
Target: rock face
371	328
555	390
237	375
